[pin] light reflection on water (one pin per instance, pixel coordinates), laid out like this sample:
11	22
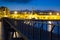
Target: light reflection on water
45	25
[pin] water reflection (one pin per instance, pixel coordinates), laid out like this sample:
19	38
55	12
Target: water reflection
46	25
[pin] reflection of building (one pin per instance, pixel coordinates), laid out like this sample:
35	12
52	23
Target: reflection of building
4	10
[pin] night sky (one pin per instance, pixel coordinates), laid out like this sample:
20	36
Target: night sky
29	4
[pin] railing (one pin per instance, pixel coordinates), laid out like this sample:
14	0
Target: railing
31	32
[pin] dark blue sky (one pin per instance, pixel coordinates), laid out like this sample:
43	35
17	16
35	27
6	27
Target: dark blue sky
29	4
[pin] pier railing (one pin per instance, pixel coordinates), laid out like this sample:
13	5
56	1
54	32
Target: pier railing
31	29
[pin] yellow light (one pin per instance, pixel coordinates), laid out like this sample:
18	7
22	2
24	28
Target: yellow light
25	12
5	16
50	13
15	12
57	13
30	16
36	18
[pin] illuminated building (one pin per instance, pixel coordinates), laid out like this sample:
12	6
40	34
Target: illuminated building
4	10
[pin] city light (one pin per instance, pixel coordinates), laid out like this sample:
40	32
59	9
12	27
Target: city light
25	12
57	13
29	15
5	16
15	12
28	21
50	13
